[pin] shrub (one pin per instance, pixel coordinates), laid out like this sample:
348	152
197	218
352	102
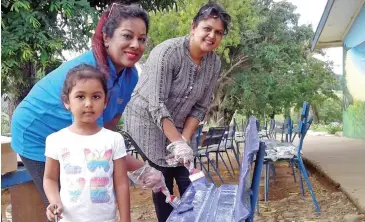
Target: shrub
5	123
318	127
334	127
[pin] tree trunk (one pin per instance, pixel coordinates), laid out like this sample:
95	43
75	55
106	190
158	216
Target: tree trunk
29	75
228	115
315	113
240	61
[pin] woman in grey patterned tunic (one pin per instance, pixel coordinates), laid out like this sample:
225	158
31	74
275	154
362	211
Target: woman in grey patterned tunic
173	93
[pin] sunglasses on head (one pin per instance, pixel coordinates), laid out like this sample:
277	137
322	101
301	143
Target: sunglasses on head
214	13
111	9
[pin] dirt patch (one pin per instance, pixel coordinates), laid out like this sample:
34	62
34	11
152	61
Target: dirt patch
283	185
5	200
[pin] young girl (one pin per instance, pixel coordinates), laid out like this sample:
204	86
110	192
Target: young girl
89	160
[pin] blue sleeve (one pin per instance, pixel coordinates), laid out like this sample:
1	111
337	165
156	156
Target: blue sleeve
130	86
120	94
100	121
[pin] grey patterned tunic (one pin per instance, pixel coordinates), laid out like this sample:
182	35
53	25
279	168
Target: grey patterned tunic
171	86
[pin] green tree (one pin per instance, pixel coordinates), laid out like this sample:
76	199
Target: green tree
331	111
282	71
34	34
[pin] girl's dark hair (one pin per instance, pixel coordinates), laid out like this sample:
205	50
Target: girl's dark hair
213	10
108	22
82	72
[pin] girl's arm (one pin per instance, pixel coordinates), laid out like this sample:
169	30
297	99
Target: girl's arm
112	124
50	181
132	163
121	187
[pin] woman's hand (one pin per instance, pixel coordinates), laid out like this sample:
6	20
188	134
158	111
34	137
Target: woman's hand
180	152
54	209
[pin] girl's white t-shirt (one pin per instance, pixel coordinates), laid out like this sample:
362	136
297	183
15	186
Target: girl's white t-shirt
86	173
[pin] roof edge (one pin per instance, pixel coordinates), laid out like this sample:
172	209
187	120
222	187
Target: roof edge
322	45
322	23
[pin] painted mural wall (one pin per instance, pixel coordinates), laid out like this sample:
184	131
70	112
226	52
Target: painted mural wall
354	85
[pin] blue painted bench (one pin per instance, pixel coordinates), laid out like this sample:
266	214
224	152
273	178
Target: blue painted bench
27	204
228	202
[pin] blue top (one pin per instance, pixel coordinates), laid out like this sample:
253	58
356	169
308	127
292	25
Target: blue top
42	111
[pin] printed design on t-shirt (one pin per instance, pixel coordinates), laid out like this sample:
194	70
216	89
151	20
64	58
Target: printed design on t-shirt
69	169
98	190
75	188
98	159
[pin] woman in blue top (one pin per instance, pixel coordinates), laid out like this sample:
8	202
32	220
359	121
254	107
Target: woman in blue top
118	43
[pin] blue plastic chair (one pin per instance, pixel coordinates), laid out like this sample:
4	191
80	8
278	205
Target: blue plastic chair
213	138
231	140
223	146
303	126
195	147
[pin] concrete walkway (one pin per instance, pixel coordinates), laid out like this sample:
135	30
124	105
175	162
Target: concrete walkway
342	160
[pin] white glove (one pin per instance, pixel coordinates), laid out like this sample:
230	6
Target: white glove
148	177
180	153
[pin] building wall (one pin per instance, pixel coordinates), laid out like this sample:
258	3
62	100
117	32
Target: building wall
354	81
356	34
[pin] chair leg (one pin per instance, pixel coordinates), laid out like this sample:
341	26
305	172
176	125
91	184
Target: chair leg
305	174
267	176
216	160
293	169
272	167
200	161
215	169
224	162
292	139
238	148
236	155
208	173
208	162
273	170
301	181
230	163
